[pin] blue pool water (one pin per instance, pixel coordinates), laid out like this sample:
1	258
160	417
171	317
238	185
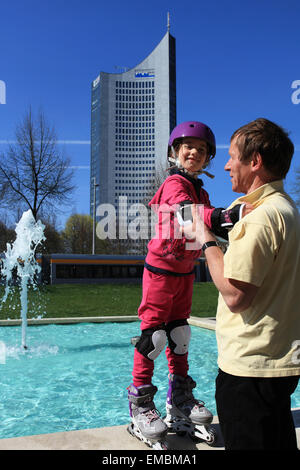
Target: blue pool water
75	376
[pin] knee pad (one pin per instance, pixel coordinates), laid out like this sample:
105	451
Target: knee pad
179	335
152	342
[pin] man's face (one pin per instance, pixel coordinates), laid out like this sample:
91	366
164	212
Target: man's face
240	172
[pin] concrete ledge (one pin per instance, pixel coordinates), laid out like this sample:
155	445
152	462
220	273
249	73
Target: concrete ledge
208	323
108	438
114	438
47	321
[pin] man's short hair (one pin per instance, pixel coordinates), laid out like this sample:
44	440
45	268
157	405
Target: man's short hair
270	141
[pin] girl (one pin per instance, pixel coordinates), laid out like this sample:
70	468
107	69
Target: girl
168	287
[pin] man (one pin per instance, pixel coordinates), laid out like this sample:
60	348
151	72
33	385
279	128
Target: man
258	316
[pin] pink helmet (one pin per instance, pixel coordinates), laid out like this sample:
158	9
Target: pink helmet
194	129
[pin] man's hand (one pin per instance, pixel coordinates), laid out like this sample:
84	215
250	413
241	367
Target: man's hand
198	230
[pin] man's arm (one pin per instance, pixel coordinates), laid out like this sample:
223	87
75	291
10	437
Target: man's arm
219	220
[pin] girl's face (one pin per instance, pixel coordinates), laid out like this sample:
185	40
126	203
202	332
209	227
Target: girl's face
192	154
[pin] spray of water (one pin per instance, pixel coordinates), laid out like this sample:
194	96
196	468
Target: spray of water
20	256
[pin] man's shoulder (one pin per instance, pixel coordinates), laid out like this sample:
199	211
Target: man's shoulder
277	206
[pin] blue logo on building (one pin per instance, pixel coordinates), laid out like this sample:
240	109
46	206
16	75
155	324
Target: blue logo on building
144	74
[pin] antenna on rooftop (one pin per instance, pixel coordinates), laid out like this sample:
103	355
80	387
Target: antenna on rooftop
168	23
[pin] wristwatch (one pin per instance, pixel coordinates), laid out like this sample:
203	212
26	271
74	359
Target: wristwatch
207	245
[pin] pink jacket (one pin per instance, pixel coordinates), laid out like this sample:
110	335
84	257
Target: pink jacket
167	250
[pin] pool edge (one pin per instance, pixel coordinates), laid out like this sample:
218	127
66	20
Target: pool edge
205	322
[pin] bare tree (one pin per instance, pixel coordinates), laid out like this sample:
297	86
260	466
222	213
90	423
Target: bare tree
33	172
158	178
161	173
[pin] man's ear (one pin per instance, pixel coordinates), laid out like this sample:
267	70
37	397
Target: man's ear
256	161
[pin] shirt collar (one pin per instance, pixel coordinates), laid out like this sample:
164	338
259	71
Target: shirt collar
256	196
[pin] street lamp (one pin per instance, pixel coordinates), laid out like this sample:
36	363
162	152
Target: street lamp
94	215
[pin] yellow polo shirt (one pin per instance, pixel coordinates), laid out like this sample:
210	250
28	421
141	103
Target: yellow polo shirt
264	250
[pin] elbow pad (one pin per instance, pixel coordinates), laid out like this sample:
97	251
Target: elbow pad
223	220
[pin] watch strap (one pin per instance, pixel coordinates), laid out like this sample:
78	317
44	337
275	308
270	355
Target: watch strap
208	244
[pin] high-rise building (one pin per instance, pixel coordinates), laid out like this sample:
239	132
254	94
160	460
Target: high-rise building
132	115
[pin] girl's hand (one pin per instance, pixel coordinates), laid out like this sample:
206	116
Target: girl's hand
197	230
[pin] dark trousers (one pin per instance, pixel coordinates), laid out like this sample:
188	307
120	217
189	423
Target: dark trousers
255	413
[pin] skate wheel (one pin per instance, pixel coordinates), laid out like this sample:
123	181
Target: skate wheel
209	439
212	438
164	446
130	429
160	445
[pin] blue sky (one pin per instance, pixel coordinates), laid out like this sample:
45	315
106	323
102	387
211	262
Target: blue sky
236	61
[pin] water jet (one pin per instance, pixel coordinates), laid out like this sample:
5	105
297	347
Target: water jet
19	263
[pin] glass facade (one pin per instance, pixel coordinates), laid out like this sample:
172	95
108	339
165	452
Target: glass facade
132	115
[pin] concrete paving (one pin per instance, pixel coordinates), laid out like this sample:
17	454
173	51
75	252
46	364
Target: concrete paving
113	438
108	438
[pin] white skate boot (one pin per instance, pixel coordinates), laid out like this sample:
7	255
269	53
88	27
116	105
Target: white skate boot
185	414
146	423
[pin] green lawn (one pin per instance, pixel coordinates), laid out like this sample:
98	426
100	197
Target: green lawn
75	300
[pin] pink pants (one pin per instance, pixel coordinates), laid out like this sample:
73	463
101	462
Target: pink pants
165	299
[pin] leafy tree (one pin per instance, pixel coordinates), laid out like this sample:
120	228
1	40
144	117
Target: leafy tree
78	235
54	242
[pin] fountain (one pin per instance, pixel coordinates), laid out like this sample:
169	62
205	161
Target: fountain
20	256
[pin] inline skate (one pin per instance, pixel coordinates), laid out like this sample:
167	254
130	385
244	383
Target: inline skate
185	414
146	423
